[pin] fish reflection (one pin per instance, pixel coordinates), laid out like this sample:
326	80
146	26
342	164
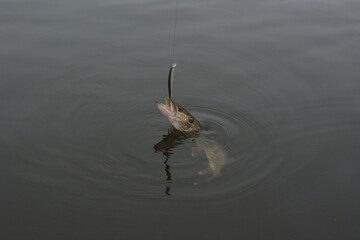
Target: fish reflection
204	143
166	145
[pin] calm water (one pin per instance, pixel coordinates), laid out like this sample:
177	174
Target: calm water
277	82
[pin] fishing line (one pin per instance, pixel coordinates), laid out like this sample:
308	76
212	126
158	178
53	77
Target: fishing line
174	36
173	65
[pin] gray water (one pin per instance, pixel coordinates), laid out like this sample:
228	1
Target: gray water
277	82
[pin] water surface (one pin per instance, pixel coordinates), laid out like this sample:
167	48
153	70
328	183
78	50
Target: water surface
275	82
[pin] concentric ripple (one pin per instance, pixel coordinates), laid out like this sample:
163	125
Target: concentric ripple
123	147
127	150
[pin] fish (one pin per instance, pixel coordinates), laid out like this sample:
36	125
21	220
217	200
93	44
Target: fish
179	117
171	78
183	121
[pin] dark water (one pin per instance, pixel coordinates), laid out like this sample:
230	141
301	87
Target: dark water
277	82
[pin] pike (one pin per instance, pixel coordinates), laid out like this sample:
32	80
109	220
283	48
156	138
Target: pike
183	121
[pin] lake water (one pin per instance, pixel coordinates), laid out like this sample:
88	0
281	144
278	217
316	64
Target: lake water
276	82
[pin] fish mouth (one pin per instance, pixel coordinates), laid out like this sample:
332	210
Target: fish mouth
168	105
167	108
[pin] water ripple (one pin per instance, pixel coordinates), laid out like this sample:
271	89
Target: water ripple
105	150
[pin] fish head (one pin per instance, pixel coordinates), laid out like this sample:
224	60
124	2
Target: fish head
178	116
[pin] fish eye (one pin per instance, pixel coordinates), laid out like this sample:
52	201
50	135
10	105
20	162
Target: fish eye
191	120
180	109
